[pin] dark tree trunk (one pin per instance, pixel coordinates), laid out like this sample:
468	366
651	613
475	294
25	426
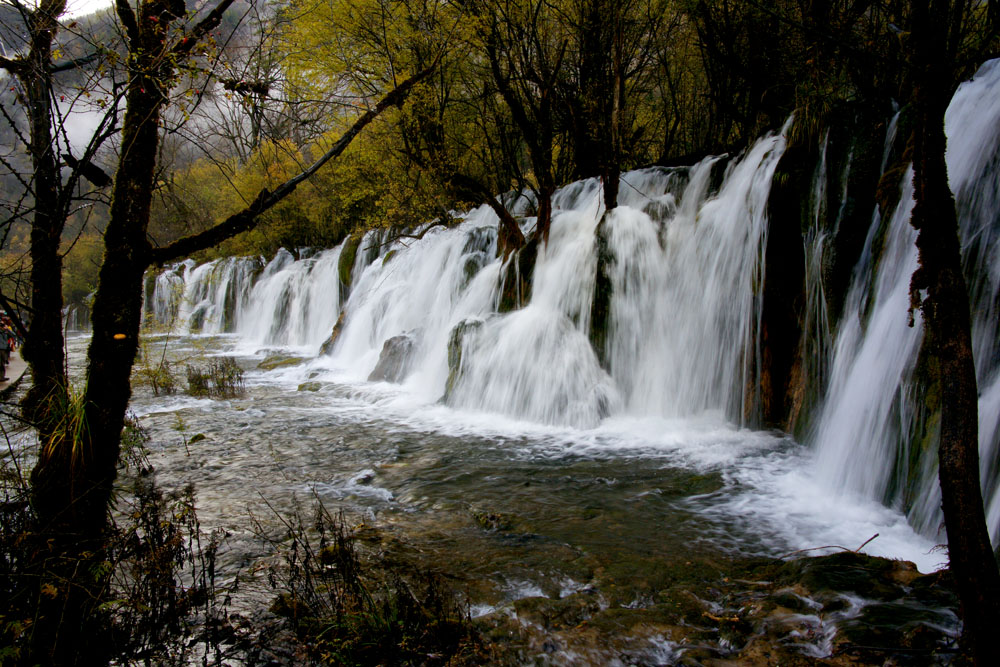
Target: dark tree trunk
43	348
938	287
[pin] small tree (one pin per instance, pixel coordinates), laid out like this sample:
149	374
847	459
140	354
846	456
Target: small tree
50	195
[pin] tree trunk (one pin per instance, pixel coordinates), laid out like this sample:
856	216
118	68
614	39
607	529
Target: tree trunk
938	287
43	348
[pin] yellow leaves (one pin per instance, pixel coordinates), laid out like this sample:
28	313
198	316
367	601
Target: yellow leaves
360	47
50	591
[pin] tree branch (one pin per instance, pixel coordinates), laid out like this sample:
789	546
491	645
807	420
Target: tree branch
127	17
247	218
13	65
202	28
76	62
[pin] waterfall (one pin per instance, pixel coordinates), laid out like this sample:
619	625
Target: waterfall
683	291
650	311
202	298
868	437
293	303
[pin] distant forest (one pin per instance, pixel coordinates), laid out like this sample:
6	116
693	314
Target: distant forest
525	96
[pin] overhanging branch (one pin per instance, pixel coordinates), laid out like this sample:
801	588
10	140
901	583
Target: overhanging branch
247	218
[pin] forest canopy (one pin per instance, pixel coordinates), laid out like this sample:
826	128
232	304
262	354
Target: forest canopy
526	94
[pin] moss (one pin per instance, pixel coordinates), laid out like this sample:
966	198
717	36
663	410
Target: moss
310	386
278	361
345	264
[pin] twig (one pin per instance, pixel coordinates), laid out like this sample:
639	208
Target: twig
831	546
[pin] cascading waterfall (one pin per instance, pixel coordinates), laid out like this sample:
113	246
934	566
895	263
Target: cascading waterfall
682	261
292	303
865	437
211	296
683	288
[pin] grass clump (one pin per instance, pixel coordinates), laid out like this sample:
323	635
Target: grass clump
222	378
344	610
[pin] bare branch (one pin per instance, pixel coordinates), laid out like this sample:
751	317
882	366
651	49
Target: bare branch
247	218
203	27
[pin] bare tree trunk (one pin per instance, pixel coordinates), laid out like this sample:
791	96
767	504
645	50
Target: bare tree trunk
43	349
938	287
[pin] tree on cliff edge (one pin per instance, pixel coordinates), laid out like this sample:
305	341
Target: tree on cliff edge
938	288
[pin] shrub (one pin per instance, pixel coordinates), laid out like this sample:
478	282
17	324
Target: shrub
155	600
222	378
347	611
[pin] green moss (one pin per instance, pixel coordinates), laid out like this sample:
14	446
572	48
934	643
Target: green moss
278	361
345	264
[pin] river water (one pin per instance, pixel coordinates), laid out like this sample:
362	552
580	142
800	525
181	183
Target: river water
568	497
541	470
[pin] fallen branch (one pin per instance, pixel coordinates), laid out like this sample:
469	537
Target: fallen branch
831	546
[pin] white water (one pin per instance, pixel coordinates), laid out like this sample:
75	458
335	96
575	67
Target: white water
685	273
864	436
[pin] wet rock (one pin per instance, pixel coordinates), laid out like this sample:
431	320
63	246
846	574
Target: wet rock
516	277
278	361
773	401
480	239
845	608
492	521
197	437
345	264
567	612
848	572
327	347
456	344
197	320
661	209
472	265
600	309
395	360
310	386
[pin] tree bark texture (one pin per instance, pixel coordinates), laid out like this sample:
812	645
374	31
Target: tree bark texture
43	349
938	287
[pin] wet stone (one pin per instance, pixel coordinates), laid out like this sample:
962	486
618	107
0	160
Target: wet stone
394	361
278	361
310	386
